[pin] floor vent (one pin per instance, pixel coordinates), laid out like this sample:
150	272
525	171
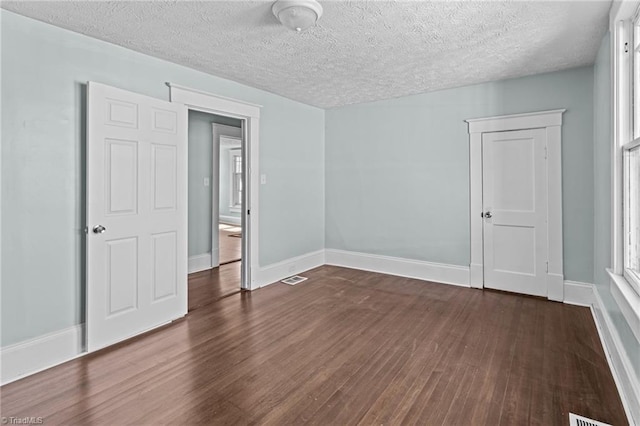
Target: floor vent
575	420
294	280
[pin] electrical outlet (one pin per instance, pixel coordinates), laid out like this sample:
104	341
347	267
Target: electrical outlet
206	181
263	179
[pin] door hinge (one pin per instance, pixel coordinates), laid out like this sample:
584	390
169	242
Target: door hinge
248	212
547	267
545	152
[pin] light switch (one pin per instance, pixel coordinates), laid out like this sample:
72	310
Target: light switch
206	181
263	179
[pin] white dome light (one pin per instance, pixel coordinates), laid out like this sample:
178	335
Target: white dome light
297	15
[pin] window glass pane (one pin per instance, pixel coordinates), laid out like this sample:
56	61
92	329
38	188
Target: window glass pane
632	210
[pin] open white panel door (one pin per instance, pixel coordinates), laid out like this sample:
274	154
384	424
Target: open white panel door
514	192
136	214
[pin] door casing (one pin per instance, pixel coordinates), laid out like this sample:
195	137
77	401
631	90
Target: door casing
250	115
551	121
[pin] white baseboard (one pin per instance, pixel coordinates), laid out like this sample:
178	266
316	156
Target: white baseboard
296	265
199	263
619	363
577	293
231	220
427	271
476	275
555	287
35	355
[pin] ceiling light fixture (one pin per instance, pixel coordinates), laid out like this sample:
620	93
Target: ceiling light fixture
297	15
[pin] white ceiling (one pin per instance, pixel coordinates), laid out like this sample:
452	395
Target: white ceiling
360	50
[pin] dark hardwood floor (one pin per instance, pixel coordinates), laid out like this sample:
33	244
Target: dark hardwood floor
208	286
230	247
344	347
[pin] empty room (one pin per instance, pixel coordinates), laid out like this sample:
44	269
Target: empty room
370	212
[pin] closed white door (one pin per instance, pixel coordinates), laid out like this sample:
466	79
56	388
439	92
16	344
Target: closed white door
515	211
136	214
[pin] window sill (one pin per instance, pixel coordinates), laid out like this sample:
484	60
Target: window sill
628	301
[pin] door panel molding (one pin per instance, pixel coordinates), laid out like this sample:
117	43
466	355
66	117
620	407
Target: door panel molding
551	122
136	240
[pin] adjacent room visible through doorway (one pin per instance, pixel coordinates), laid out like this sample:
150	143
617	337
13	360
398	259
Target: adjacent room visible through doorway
230	242
215	205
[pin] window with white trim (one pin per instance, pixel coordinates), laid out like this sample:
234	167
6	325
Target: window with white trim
631	165
631	214
235	179
635	72
627	141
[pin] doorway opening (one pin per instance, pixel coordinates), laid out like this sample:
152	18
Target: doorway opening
215	146
245	117
249	116
227	153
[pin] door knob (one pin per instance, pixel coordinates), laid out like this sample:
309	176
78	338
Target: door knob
99	229
487	215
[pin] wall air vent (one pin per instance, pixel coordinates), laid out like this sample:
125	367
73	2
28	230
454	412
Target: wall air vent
575	420
294	280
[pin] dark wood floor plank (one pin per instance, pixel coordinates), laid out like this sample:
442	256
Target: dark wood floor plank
344	347
229	247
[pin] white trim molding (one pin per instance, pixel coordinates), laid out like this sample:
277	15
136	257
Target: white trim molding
418	269
200	262
236	105
41	353
619	364
250	114
628	301
551	121
296	265
527	120
577	293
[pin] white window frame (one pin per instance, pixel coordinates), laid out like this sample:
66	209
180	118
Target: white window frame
235	201
624	288
629	274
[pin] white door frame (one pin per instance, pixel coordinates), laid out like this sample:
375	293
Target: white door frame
552	122
219	130
250	114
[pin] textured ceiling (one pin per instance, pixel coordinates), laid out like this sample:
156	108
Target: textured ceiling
360	50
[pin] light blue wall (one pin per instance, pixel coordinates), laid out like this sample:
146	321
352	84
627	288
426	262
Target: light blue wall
602	130
398	170
602	143
44	70
200	166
